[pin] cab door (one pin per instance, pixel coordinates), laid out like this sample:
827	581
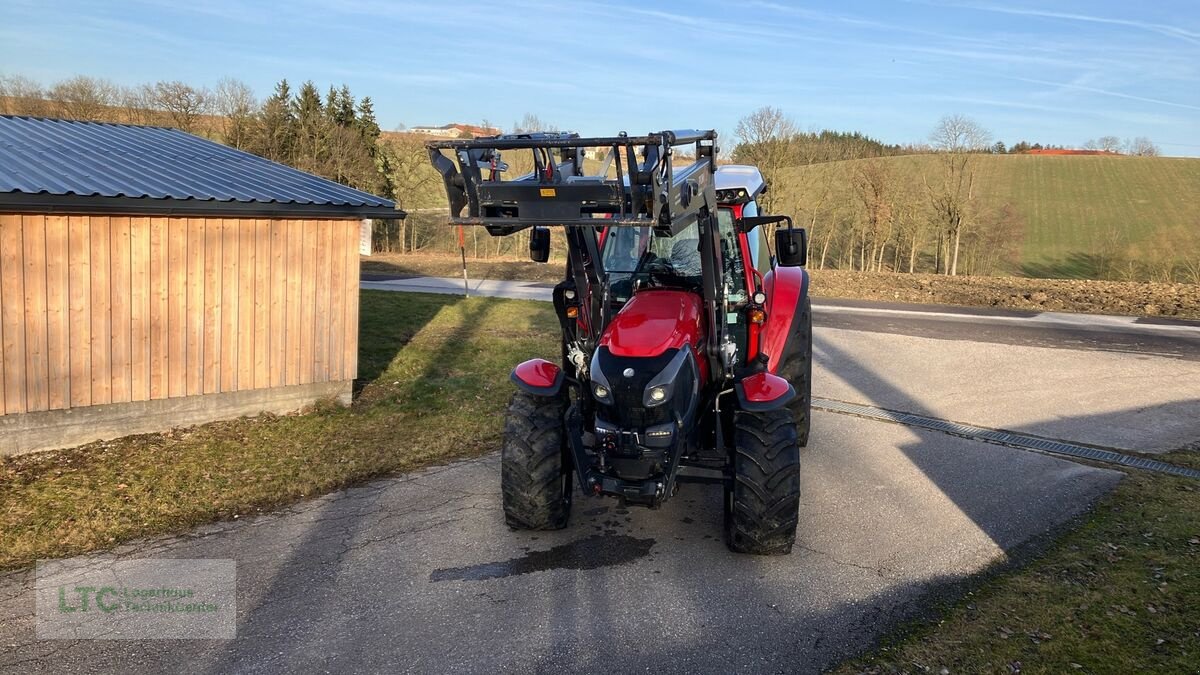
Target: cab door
736	282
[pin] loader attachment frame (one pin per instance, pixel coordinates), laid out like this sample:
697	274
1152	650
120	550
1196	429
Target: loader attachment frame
639	184
647	188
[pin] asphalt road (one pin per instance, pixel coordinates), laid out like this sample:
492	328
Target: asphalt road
418	573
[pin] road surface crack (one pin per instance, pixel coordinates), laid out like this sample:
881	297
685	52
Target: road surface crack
882	571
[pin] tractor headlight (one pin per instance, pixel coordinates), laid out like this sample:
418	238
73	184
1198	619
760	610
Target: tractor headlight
657	394
601	389
661	388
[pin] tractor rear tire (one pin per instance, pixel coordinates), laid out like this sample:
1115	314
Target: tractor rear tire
763	503
535	471
797	370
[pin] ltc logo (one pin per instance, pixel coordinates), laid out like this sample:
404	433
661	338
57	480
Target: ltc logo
85	595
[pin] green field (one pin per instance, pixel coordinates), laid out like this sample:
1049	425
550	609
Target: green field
1073	207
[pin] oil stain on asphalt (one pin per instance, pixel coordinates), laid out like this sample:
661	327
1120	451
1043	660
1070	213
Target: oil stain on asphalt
586	554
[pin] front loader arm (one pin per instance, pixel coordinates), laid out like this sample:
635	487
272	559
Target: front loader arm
649	193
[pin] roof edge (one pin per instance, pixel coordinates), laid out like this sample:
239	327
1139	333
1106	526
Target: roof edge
21	202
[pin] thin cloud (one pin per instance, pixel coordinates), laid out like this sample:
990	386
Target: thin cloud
1105	92
1159	28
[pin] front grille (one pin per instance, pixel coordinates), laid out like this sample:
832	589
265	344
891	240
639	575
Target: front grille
631	414
627	410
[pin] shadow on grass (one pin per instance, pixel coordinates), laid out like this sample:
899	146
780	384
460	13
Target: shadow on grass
446	265
1076	265
387	322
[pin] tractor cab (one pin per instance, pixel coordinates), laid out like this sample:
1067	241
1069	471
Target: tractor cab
636	258
686	346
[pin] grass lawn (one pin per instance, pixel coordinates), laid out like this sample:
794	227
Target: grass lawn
1117	595
434	371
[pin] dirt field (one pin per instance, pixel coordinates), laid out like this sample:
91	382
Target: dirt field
1061	295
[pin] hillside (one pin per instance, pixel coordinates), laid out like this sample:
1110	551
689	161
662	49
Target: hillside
1077	216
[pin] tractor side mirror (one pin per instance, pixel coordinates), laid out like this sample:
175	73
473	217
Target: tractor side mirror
791	247
539	244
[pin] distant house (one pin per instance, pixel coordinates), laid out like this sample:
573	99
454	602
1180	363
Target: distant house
444	131
455	131
151	279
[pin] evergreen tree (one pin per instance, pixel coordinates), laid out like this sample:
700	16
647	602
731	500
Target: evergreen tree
310	127
277	130
345	108
365	123
332	105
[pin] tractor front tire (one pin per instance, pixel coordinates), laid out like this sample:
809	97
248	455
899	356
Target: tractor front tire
763	502
535	473
797	370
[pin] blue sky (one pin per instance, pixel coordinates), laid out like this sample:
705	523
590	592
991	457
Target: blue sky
1060	73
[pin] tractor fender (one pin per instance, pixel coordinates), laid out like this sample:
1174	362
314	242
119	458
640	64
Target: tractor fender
538	377
763	391
786	288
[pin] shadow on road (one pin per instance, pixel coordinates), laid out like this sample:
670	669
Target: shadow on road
884	524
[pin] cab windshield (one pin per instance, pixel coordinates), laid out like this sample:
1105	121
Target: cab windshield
637	250
636	256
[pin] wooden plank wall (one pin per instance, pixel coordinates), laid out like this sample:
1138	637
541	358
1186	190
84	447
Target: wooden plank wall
113	309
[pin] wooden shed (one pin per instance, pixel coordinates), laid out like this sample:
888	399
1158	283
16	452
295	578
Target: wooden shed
151	279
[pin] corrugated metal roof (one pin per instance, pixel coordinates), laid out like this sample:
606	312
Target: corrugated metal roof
68	158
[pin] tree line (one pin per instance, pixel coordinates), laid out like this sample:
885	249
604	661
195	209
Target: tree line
867	215
1140	146
925	214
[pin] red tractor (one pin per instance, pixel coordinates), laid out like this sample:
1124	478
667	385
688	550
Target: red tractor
686	345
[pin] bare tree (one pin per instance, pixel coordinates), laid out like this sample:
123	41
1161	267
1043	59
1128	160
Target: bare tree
1104	144
912	223
343	159
873	185
959	133
183	103
235	102
813	188
84	98
1191	254
22	96
1108	144
956	137
415	181
1108	252
1141	147
531	123
138	106
765	139
993	240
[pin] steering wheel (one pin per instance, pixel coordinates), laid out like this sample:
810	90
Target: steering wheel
658	268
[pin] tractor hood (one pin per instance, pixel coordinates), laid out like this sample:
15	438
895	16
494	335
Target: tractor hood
654	321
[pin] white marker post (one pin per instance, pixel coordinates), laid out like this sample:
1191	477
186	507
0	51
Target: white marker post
462	248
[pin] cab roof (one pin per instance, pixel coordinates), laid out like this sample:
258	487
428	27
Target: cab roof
733	176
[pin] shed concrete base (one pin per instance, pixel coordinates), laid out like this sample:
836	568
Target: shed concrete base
52	429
